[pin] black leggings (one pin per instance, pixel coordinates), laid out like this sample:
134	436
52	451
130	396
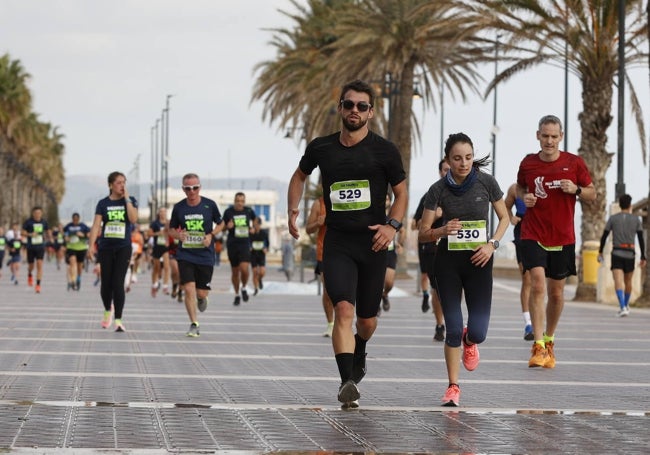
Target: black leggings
455	274
114	264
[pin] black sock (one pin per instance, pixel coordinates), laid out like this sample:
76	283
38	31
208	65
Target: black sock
344	362
360	344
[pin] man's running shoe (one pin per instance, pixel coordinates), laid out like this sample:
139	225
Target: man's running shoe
350	405
237	300
13	278
385	303
440	333
623	312
359	367
119	327
470	353
550	363
528	333
179	298
96	282
30	280
154	289
425	303
202	303
165	289
348	392
38	288
194	330
174	291
256	291
452	396
70	286
244	295
539	356
106	321
261	284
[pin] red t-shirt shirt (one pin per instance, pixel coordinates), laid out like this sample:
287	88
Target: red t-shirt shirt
550	221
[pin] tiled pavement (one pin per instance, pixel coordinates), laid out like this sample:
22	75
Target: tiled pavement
262	379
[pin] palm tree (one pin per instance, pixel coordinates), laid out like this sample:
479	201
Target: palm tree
535	32
376	40
31	151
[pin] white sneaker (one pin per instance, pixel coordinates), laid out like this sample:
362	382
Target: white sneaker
328	330
623	312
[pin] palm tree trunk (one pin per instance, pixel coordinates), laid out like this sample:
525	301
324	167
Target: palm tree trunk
399	128
595	118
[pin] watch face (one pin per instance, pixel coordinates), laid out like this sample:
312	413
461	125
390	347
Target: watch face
496	244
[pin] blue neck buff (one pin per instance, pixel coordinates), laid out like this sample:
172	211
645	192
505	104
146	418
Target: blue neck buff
459	190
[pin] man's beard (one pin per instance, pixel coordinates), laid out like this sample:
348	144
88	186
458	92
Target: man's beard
354	126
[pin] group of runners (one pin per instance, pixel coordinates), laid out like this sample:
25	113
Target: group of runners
357	227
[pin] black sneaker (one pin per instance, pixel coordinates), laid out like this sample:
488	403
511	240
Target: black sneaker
256	291
244	295
385	303
261	284
440	333
425	303
359	367
236	301
348	392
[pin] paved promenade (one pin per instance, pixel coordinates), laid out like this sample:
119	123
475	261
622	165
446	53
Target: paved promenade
262	379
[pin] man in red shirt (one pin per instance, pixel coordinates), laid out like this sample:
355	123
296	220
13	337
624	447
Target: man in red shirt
549	182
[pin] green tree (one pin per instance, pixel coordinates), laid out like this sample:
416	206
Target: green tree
535	32
31	151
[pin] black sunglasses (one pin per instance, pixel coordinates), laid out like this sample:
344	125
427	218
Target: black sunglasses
191	187
362	106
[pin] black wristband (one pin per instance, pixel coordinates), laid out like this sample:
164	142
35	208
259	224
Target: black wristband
578	191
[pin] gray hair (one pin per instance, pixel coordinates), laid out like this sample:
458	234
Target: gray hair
549	119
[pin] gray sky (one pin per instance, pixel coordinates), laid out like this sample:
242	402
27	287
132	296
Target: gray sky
101	71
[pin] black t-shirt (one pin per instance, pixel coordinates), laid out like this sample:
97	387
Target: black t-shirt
259	240
243	221
198	221
38	228
116	227
355	179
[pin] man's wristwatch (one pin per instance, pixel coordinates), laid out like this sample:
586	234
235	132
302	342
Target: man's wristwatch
395	224
495	243
578	191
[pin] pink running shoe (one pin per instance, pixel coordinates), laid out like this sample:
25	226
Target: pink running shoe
106	321
470	354
452	396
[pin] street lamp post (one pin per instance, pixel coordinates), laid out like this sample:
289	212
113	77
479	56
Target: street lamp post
495	128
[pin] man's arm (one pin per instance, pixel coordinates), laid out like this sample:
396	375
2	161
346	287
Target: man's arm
294	194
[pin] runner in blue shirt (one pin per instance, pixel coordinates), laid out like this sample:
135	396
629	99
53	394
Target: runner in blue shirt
195	221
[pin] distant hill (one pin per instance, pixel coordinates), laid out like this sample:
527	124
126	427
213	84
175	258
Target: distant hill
83	191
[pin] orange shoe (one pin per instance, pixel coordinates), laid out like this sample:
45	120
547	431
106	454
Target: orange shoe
550	362
38	289
30	280
539	356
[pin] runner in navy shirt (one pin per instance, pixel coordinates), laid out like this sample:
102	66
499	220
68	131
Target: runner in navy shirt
195	221
115	216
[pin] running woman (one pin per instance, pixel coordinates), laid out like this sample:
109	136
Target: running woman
115	217
160	252
464	258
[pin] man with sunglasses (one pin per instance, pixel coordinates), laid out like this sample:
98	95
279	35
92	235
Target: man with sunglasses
194	222
357	167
